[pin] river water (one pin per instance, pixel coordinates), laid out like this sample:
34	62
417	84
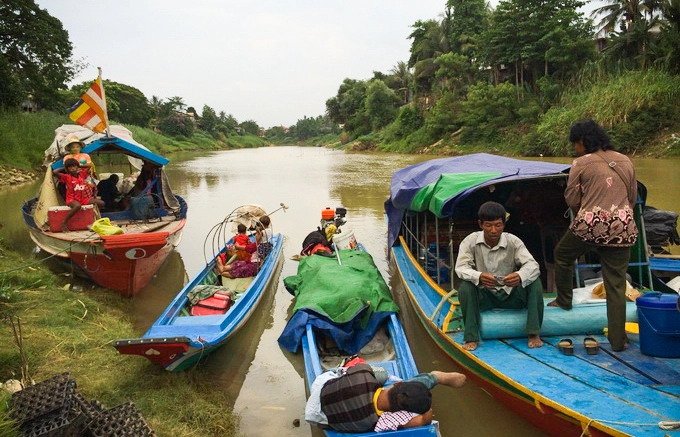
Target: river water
265	384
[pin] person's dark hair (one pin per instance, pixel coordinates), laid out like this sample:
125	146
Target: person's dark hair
412	396
491	211
265	220
592	135
71	162
114	178
241	228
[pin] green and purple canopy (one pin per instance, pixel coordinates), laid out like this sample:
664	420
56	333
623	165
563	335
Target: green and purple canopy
440	184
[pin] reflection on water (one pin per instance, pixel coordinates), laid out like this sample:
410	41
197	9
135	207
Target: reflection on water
264	383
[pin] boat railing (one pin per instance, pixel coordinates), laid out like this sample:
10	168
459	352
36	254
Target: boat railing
429	255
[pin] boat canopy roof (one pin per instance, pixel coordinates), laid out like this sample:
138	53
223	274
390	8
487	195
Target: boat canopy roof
119	141
439	185
118	145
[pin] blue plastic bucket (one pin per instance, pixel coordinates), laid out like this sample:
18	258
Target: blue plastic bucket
659	321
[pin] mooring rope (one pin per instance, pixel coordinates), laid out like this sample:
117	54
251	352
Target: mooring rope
67	249
667	425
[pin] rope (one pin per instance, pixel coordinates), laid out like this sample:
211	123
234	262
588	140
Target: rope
67	249
667	425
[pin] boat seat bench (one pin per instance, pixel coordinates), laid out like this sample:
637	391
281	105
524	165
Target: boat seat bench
198	320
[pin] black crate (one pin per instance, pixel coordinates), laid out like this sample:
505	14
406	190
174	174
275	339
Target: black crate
121	421
47	397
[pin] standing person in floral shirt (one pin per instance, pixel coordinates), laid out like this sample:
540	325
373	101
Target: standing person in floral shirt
601	191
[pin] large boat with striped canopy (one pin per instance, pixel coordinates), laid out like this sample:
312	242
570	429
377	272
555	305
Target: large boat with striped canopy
575	384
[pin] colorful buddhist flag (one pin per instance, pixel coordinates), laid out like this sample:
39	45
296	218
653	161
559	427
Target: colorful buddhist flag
90	111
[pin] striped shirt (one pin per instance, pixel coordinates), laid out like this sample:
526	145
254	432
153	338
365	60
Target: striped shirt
347	401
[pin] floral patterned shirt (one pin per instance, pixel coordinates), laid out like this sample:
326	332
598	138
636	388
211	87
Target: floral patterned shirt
602	200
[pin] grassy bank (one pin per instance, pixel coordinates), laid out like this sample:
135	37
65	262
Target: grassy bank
72	331
25	136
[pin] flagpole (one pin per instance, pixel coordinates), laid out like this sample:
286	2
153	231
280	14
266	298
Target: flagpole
106	111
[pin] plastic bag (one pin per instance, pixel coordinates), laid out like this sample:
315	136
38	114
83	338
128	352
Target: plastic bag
103	226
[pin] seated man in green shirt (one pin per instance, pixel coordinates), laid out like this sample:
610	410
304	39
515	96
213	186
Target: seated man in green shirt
497	271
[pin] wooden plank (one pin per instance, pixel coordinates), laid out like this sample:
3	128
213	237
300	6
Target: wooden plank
576	384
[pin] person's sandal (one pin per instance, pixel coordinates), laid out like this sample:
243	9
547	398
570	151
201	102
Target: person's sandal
592	345
566	346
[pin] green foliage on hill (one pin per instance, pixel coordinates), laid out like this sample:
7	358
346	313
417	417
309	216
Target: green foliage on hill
25	136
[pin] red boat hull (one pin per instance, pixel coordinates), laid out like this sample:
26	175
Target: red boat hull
127	263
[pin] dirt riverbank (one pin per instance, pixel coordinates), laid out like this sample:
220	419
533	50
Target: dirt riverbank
14	176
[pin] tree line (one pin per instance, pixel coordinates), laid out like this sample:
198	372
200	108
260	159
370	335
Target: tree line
517	74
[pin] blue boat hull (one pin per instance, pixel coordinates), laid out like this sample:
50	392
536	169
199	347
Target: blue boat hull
177	342
616	394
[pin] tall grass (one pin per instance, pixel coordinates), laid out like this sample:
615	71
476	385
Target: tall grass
72	331
25	136
634	97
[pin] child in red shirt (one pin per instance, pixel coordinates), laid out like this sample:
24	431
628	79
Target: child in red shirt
244	267
78	192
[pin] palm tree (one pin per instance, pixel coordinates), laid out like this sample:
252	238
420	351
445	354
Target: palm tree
177	103
430	40
629	22
402	80
625	14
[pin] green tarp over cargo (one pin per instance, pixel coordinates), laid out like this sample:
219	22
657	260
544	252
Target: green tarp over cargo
340	292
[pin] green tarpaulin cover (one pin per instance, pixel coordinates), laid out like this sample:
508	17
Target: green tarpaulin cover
433	196
340	292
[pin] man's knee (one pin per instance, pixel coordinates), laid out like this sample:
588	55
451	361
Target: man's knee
466	289
535	287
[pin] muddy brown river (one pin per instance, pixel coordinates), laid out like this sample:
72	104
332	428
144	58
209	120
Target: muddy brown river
264	383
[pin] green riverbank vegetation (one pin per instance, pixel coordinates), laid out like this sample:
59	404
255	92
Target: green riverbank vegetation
65	330
24	137
512	80
509	80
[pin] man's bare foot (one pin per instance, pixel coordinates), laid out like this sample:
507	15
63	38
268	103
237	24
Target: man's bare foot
470	345
535	341
452	379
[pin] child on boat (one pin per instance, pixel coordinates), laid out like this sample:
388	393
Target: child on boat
77	191
263	236
245	252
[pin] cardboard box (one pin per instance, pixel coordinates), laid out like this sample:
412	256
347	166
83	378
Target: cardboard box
79	222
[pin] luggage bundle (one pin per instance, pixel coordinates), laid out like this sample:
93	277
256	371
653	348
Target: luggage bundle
218	303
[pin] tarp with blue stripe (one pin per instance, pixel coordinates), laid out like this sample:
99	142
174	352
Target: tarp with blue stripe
439	185
346	302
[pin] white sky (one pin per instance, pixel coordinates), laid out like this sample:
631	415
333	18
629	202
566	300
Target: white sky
272	61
